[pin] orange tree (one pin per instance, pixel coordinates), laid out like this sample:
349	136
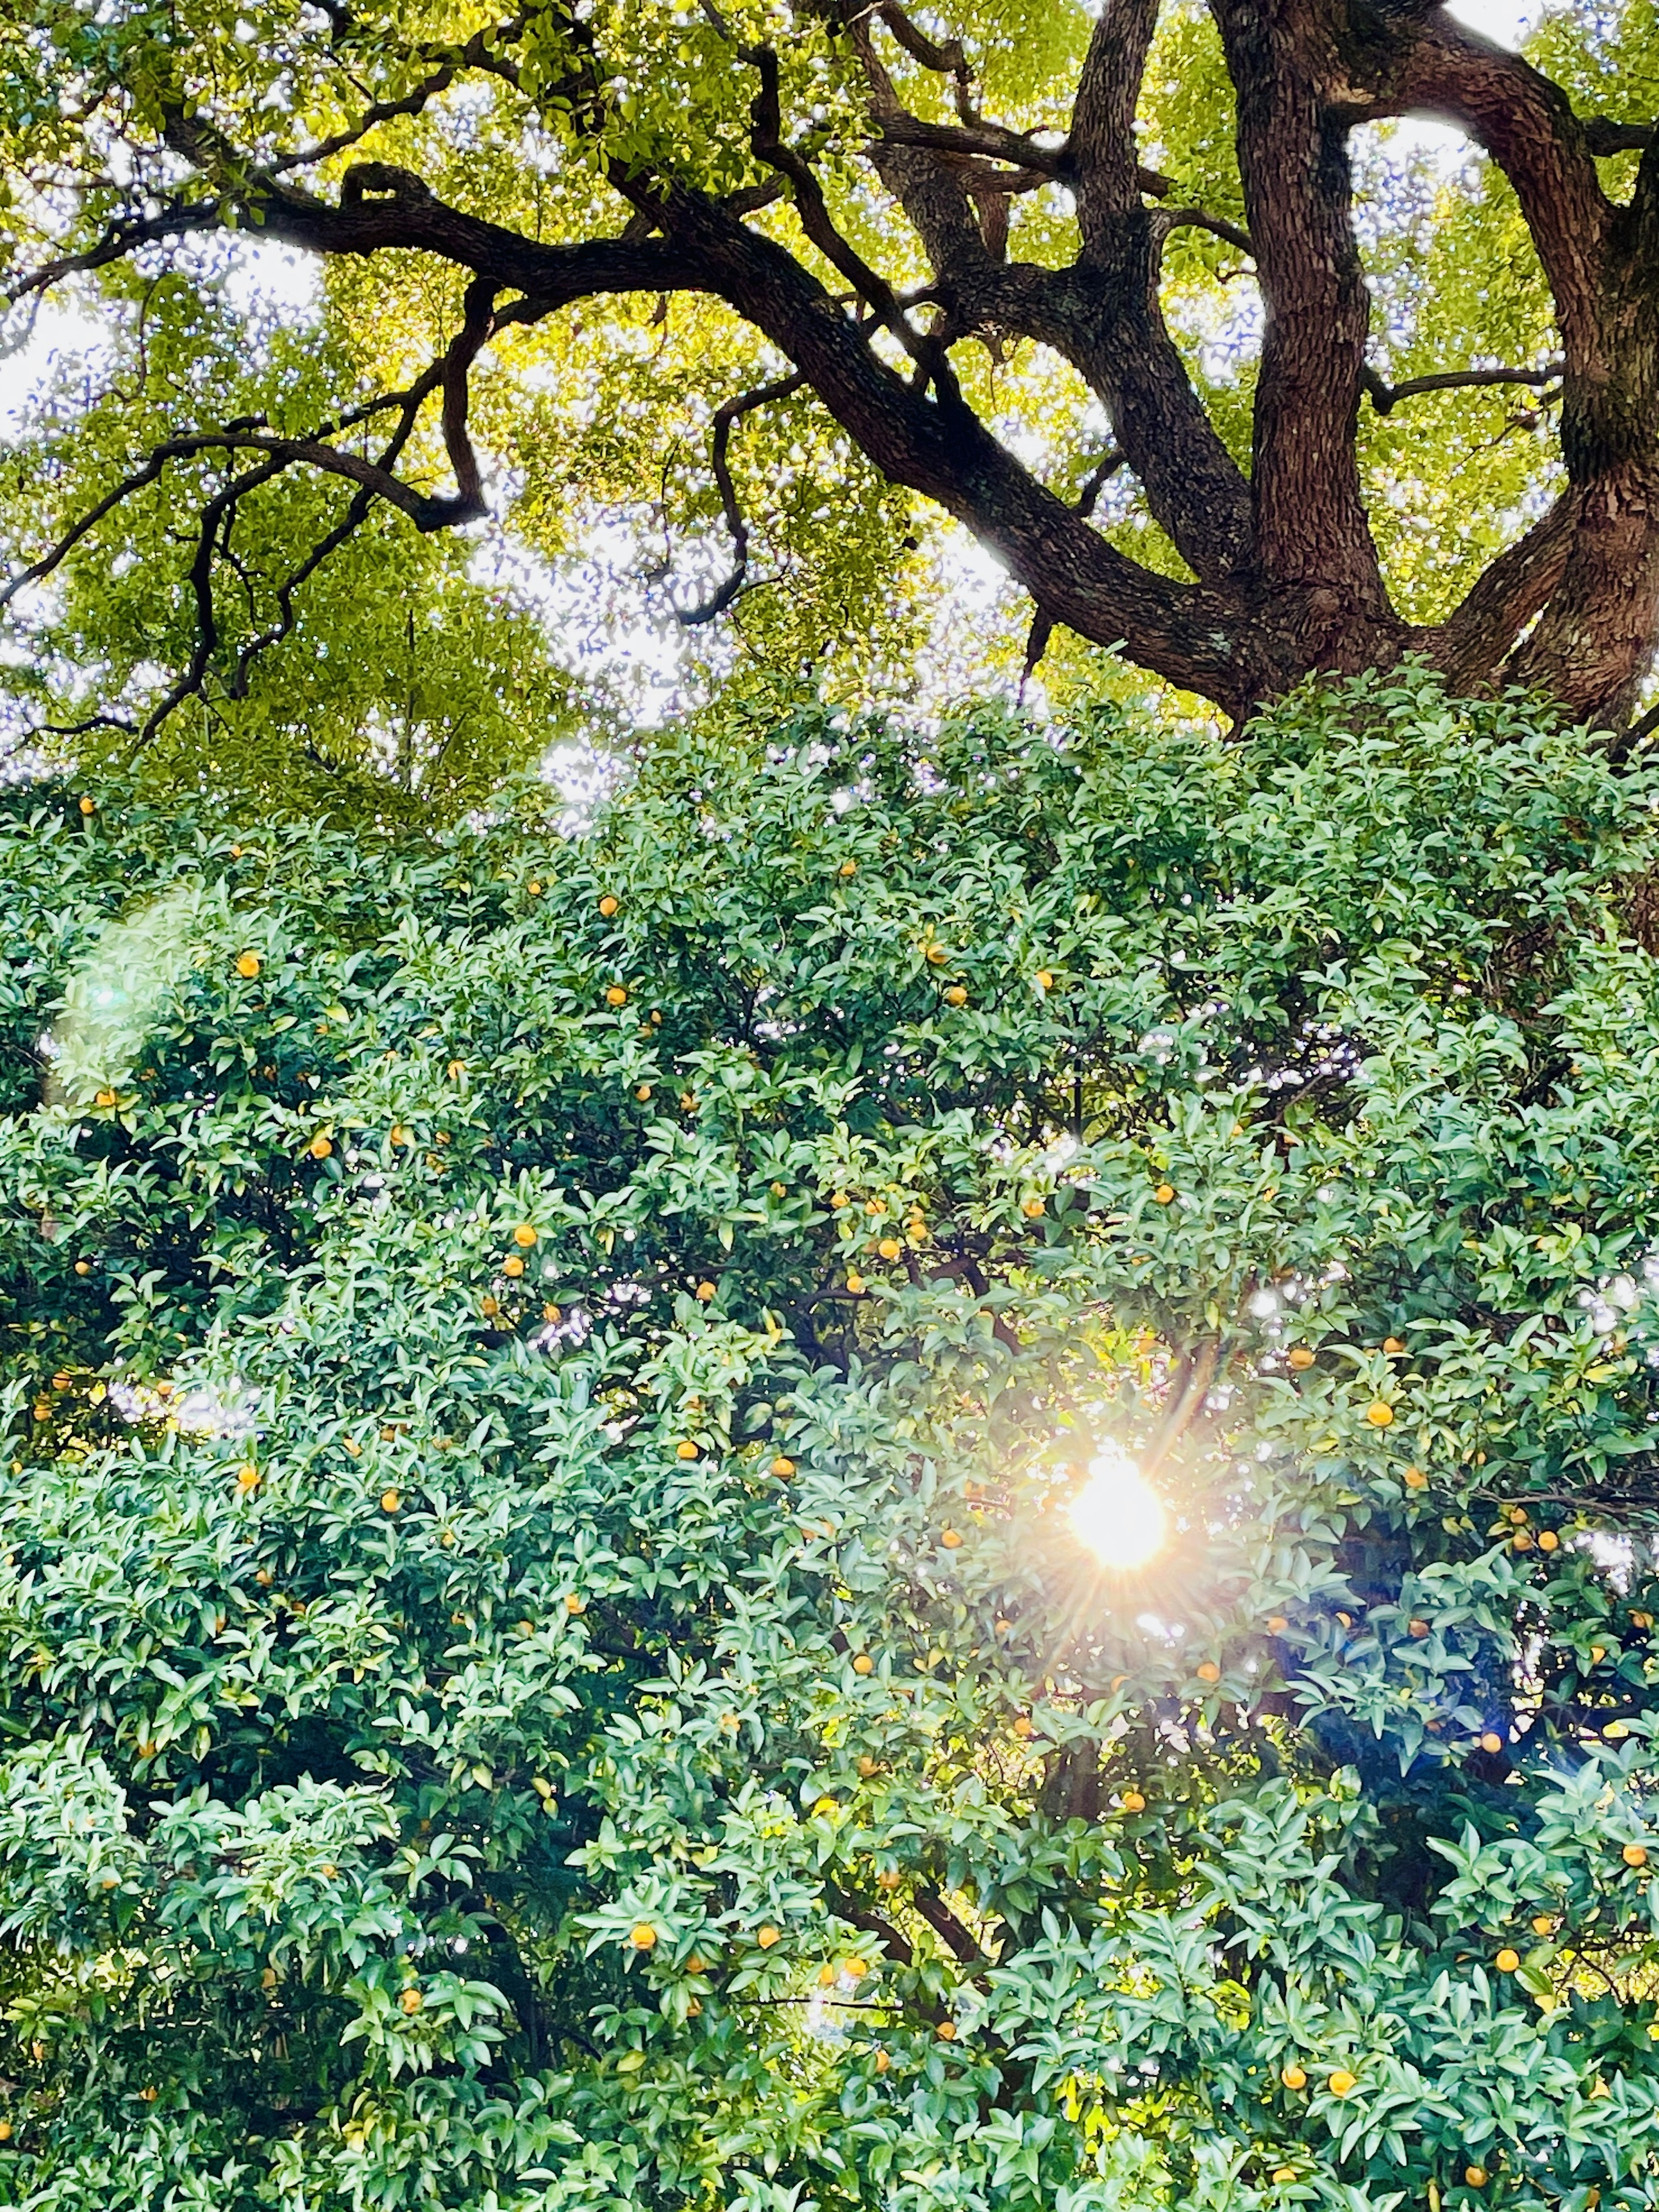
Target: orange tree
546	1661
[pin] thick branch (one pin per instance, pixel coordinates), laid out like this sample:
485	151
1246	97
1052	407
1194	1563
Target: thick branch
1472	645
1310	520
1100	151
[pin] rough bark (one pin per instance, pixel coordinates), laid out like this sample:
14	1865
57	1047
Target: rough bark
1285	577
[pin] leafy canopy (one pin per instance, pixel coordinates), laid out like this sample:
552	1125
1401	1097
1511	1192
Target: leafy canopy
397	658
544	1660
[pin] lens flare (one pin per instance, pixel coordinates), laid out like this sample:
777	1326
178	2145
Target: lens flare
1117	1515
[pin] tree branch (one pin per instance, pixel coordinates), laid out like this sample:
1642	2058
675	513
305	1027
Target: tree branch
1472	643
1311	529
1385	396
1100	151
726	416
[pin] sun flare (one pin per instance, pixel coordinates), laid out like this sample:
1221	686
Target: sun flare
1117	1515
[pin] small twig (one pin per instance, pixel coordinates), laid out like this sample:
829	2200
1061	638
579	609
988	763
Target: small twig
1043	622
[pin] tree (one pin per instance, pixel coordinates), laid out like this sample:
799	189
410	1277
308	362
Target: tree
546	1663
932	244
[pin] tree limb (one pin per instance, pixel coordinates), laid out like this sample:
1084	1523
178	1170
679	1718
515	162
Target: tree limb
726	416
1385	396
1311	529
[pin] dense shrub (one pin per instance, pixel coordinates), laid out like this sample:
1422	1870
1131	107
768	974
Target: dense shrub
545	1662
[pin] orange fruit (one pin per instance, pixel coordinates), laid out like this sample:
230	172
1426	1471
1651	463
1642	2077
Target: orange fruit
643	1937
248	964
616	996
642	1091
83	1266
1542	1924
856	1969
686	1449
840	1199
883	2062
854	1281
1045	979
88	807
1418	1629
1208	1671
1491	1742
955	996
1133	1802
952	1538
889	1247
865	1765
526	1235
147	2096
1548	1540
391	1500
938	954
512	1265
1391	1344
696	1964
888	1878
947	2030
319	1148
1022	1725
489	1307
104	1099
782	1468
410	2000
1284	2175
864	1664
1507	1962
1379	1414
1031	1208
1634	1855
1521	1541
848	868
1004	1627
1475	2176
574	1604
1293	2077
1300	1358
534	889
609	904
766	1936
1164	1194
247	1478
706	1293
1414	1479
1340	2082
875	1208
1277	1624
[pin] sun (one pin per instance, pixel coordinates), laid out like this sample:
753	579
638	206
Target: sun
1117	1515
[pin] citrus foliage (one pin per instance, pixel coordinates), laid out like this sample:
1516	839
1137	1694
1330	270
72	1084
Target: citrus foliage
544	1662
